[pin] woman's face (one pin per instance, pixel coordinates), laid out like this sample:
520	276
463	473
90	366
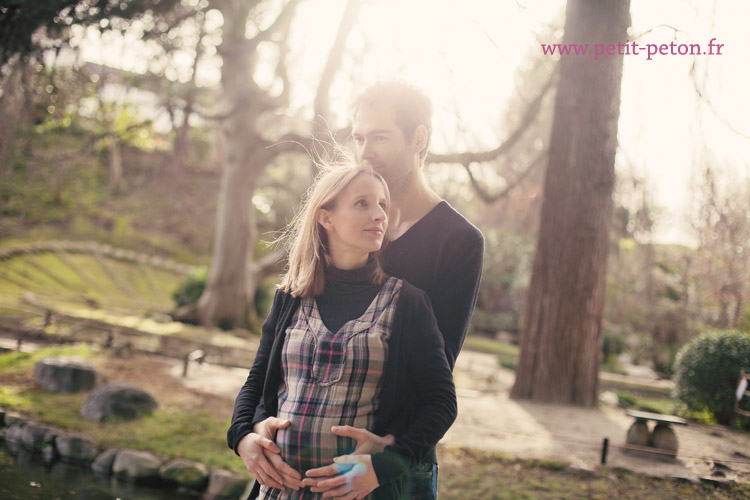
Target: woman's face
356	225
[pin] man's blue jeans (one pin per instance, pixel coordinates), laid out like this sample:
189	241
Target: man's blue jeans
423	482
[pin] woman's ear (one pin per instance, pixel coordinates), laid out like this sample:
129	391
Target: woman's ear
324	219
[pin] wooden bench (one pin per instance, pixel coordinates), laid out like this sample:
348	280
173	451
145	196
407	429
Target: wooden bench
661	440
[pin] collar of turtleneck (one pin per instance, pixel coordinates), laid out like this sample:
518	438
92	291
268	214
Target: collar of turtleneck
347	294
336	279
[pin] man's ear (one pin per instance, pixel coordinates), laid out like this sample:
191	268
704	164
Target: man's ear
420	138
324	219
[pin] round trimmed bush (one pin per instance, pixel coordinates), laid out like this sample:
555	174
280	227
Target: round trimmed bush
707	370
191	288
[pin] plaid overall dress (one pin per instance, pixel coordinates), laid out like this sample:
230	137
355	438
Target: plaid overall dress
330	379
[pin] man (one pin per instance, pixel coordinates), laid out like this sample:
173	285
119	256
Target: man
431	245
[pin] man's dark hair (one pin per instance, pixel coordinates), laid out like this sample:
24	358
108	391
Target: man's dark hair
412	106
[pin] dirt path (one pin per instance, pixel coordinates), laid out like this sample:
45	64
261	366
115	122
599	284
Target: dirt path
489	420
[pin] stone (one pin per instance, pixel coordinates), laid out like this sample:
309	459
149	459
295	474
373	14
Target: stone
224	485
76	449
49	453
64	375
664	438
117	400
186	473
12	418
136	466
609	398
638	434
35	436
12	435
103	462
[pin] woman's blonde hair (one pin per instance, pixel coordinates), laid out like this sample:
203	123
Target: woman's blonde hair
307	240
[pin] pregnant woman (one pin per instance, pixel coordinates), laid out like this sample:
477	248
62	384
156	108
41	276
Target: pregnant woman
344	347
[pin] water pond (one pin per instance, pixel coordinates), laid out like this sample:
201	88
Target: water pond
24	476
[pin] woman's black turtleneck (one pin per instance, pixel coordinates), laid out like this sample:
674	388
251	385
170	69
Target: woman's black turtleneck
346	295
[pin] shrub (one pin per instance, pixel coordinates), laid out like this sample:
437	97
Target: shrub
191	288
743	323
707	370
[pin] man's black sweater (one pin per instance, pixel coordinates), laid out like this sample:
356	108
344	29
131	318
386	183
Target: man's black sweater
442	254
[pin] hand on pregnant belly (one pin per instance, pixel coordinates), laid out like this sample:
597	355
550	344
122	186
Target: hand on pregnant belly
263	459
356	478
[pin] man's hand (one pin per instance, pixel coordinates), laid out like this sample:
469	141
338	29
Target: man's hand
357	480
263	458
367	444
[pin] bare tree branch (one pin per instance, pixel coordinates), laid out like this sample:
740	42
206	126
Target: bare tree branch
335	56
281	23
272	263
703	97
532	110
489	198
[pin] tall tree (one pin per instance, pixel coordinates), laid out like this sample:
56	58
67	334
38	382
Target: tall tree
228	298
561	336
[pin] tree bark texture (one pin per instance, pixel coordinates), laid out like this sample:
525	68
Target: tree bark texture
229	296
561	339
225	300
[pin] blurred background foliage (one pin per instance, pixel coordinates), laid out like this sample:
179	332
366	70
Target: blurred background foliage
91	152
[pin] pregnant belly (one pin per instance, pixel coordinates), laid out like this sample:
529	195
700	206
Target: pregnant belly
306	447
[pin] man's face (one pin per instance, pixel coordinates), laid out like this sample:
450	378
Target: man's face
381	144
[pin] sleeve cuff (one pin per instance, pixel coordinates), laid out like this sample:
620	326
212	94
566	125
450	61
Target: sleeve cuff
388	465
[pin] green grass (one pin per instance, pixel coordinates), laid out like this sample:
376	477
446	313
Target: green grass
490	346
188	431
9	398
469	474
667	406
507	354
167	432
78	276
20	362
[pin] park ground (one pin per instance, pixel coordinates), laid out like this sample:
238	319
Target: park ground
497	449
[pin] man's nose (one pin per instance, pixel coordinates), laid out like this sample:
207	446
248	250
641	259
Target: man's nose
365	151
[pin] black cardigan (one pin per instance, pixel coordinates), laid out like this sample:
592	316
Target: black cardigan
417	399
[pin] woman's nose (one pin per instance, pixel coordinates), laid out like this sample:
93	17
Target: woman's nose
380	214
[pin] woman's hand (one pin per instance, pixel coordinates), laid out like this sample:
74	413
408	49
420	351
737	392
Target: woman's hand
263	458
356	478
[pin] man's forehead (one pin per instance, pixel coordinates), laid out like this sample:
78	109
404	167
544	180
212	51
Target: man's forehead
373	117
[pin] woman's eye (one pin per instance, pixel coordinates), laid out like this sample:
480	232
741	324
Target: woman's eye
383	206
360	203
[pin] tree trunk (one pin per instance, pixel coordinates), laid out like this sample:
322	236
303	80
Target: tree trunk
561	342
225	300
229	296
